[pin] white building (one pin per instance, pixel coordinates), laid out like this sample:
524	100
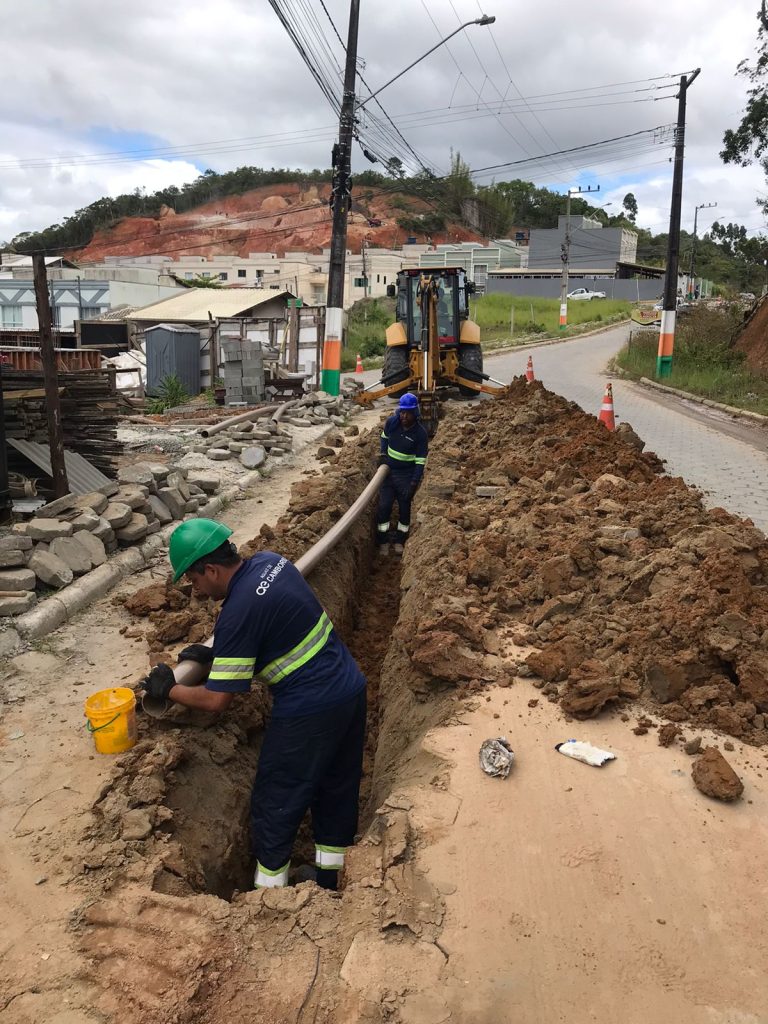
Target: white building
303	273
76	293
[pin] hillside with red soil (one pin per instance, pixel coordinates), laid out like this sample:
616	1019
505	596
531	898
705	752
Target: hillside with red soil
275	218
753	339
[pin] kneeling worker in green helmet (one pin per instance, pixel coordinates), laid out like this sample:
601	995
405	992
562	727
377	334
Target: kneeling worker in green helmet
271	627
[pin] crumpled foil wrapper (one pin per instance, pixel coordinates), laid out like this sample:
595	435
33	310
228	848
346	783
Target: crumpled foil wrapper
497	757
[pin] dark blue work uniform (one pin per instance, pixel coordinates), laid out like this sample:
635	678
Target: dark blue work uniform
272	627
405	451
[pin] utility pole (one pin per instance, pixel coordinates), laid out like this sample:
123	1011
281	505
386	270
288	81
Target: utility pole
566	252
692	269
365	268
341	192
50	378
669	311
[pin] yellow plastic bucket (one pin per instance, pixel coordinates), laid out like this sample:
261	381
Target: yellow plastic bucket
111	718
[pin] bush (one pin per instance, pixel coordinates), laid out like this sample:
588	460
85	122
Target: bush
170	393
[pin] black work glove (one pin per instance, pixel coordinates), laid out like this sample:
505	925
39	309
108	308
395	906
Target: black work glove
383	460
201	653
415	487
159	682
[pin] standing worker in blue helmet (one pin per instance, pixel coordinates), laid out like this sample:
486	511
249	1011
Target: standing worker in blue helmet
404	444
272	627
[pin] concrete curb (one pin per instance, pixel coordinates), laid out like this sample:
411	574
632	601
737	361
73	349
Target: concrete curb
732	410
54	611
490	353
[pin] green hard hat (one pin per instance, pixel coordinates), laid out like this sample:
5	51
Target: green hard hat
193	540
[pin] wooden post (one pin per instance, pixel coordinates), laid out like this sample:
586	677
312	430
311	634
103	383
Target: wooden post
293	336
50	378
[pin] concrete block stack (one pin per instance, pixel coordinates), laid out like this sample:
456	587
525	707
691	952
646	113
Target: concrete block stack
73	535
243	372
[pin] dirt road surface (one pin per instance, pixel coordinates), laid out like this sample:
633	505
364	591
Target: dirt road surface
562	893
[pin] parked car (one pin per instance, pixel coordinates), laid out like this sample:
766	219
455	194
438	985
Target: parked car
585	293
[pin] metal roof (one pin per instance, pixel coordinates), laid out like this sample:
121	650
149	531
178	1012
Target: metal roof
82	476
194	304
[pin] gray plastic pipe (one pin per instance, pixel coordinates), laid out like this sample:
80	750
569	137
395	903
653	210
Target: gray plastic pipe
253	414
190	673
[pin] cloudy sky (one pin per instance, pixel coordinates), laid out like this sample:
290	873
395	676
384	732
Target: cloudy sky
101	98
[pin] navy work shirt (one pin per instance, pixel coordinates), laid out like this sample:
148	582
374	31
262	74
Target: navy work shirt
272	626
406	450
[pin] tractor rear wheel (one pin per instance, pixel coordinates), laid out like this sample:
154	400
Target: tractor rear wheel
471	365
396	367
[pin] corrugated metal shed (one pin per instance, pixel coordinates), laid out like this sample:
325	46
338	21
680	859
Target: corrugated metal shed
82	476
173	350
195	304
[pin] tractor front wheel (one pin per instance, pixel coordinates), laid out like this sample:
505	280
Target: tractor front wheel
396	367
471	366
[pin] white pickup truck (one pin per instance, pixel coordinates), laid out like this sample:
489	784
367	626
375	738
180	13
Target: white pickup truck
585	293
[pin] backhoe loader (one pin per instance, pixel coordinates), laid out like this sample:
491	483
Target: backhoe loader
433	343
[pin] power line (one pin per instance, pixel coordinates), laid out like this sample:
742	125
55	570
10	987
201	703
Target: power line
573	149
420	161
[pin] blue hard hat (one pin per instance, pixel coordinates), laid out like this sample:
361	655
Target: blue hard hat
408	403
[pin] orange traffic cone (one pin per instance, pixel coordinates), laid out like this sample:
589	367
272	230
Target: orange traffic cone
529	370
606	409
359	364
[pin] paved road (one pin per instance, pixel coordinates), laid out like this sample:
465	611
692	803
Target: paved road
726	459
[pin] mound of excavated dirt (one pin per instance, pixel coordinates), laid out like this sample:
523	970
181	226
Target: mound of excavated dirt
626	584
535	528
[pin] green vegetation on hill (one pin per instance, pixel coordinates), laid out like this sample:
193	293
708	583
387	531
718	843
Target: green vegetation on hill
425	206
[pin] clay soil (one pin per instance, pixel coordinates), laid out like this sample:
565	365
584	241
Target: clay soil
578	592
753	340
275	218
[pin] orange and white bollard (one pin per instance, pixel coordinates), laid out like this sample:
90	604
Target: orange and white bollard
529	370
359	364
606	409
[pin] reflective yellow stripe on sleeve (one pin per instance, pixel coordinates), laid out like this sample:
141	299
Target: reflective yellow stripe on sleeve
232	668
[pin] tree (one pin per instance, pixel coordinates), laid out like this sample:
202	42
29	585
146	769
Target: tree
629	203
749	141
200	282
395	167
459	186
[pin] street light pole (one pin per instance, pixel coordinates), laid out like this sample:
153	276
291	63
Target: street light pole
692	268
485	20
341	194
669	311
566	253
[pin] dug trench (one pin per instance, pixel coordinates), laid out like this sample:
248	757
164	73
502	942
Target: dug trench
547	553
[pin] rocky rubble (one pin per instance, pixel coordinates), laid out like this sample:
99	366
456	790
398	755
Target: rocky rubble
539	526
253	442
317	502
73	535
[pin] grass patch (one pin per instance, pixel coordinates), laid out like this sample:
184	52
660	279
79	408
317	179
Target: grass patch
705	363
534	318
516	319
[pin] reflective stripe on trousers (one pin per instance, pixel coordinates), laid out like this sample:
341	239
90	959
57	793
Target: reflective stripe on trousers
331	858
266	879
